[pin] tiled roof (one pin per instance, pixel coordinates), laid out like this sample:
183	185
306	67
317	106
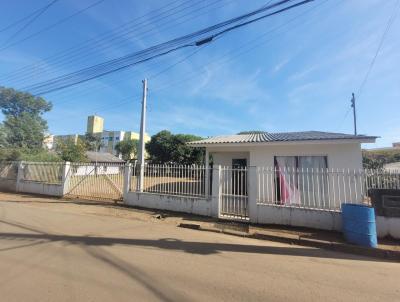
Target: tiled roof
267	137
102	157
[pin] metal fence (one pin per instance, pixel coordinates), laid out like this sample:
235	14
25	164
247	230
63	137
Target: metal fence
8	170
324	189
185	180
233	193
46	172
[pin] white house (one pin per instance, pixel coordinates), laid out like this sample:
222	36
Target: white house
309	149
305	169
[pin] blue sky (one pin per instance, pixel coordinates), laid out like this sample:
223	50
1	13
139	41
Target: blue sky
292	72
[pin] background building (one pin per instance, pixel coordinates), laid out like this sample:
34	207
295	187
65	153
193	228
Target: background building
108	138
48	142
95	124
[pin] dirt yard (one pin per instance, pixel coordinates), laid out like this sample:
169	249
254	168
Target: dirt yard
66	250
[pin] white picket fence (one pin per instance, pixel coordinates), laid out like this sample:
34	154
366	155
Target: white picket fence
184	180
324	189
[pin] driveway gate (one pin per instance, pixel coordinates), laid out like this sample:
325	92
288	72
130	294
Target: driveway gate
102	181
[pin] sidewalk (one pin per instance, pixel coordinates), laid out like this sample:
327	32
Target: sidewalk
387	248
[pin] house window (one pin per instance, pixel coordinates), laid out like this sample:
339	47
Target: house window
300	179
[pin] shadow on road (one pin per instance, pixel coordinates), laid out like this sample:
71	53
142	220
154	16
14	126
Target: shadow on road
163	291
201	248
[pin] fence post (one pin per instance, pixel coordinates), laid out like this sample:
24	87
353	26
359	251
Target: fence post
140	186
252	193
127	179
207	173
216	191
66	175
20	174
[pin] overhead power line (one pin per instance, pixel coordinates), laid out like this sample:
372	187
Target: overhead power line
381	41
33	19
22	19
372	63
97	85
243	48
51	26
197	38
140	27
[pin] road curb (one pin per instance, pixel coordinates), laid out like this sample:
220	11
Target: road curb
302	241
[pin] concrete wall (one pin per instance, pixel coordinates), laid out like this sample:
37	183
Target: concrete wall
35	187
8	185
388	226
40	188
191	205
317	219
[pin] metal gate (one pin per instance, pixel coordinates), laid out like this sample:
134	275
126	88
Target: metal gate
99	181
233	193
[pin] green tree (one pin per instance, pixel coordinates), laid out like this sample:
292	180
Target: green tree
127	148
25	131
92	142
184	154
69	151
10	154
160	147
165	147
24	126
3	137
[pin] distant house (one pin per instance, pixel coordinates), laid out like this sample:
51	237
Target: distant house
309	149
102	157
100	164
392	167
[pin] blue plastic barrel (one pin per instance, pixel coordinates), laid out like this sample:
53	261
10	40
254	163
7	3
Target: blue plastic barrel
358	224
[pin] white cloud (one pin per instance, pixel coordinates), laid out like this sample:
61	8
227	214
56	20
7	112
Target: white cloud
280	65
196	120
230	85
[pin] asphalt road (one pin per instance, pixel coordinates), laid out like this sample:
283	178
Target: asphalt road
62	251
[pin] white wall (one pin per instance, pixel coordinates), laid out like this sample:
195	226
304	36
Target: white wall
191	205
343	155
388	226
340	156
103	170
317	219
40	188
225	158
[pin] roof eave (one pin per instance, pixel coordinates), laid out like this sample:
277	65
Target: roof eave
364	140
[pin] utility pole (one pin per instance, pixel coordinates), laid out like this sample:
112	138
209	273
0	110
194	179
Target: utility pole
353	105
142	132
